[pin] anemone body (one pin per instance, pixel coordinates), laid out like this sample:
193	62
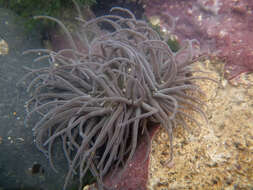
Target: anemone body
99	102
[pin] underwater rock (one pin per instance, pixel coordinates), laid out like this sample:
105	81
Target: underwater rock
223	28
17	151
219	155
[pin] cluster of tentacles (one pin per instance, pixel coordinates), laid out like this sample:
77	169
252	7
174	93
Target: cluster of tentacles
98	103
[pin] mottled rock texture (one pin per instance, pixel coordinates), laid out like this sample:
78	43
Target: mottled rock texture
223	28
219	155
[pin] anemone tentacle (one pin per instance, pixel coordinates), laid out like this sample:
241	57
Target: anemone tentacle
103	99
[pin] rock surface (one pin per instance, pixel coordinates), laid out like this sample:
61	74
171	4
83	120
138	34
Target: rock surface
222	27
219	155
22	165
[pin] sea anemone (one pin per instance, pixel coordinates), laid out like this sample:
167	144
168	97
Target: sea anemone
99	102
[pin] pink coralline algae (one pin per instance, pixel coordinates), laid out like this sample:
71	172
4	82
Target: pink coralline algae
224	28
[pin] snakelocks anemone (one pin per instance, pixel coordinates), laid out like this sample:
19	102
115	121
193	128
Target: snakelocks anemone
98	102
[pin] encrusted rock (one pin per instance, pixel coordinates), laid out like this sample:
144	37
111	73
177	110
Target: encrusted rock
223	28
221	155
